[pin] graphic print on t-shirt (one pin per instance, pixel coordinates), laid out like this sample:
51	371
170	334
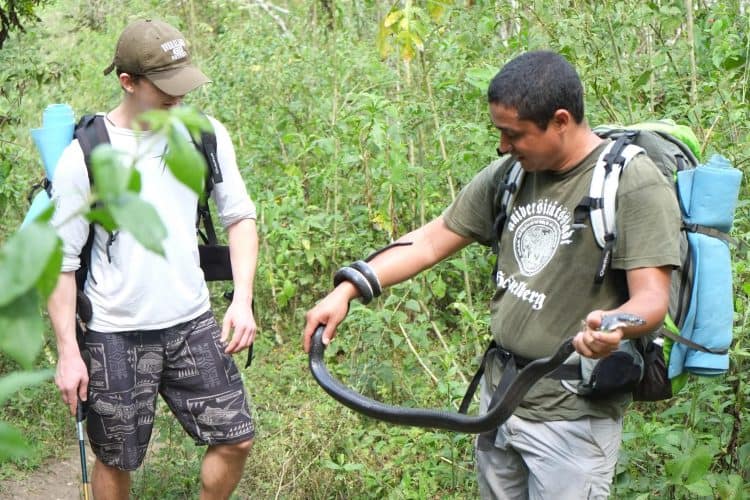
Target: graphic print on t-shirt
538	229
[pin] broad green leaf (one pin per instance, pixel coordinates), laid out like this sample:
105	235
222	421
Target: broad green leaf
419	28
111	179
436	9
674	468
21	329
732	489
700	488
24	259
134	184
48	279
325	144
46	214
103	217
642	79
698	465
12	444
384	48
288	291
140	219
17	381
439	288
480	77
392	18
192	119
407	52
412	305
330	464
184	161
733	61
157	119
744	454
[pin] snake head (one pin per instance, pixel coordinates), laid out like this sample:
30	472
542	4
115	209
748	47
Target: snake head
620	320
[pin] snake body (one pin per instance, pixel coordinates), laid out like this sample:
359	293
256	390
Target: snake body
438	419
435	419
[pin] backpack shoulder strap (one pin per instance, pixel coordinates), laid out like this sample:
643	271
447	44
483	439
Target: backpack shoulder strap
208	149
90	132
603	189
503	203
504	198
601	201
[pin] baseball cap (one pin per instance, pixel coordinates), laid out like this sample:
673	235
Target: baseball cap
156	50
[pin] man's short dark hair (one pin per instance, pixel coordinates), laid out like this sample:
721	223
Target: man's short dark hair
536	84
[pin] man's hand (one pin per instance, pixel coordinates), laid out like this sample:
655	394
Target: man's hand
593	342
239	317
329	312
72	378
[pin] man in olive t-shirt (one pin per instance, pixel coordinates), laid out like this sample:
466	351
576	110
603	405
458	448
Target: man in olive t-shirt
557	445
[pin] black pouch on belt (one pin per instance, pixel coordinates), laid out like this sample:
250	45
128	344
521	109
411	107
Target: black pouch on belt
215	262
618	373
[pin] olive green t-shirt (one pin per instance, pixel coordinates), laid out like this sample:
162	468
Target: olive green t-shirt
545	274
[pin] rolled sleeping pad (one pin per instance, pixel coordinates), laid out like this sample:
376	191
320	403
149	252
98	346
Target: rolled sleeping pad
708	195
56	132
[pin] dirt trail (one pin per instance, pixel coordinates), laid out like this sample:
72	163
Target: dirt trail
55	480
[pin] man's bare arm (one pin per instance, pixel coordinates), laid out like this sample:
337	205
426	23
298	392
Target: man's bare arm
430	244
71	375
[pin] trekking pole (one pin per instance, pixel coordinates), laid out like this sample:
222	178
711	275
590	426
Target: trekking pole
80	416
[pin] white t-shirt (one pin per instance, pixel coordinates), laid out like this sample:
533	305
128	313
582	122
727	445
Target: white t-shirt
130	287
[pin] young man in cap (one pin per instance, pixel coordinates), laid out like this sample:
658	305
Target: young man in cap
558	444
152	330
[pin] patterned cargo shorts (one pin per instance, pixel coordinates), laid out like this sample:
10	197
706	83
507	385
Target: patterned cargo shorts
186	364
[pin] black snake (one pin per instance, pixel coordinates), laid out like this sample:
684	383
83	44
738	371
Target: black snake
437	419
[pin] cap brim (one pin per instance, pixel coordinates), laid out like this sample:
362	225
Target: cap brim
178	81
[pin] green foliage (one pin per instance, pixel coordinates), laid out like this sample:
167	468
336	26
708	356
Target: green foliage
29	263
30	411
15	12
343	148
177	474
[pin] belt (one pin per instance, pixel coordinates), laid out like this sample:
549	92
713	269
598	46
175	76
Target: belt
562	372
512	363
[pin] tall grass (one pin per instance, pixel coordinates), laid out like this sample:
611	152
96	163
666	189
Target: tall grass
343	150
